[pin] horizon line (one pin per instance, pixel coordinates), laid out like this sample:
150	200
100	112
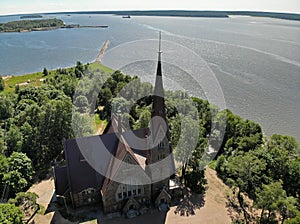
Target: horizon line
109	11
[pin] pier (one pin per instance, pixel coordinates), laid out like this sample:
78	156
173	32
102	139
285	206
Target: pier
102	52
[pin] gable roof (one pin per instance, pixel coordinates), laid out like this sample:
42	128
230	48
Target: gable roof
81	174
116	162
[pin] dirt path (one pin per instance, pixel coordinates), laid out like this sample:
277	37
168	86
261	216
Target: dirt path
44	190
100	128
6	77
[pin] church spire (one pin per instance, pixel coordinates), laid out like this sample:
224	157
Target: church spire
159	47
158	106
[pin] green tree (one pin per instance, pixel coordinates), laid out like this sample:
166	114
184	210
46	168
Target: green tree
294	220
14	139
186	144
2	142
15	181
82	104
3	170
26	201
6	107
45	72
291	179
245	171
2	84
144	119
79	69
287	208
20	162
268	198
19	172
22	198
55	126
10	214
82	124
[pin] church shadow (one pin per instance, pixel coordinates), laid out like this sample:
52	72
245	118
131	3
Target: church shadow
189	203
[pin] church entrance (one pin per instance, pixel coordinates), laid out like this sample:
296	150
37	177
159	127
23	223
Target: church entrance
132	207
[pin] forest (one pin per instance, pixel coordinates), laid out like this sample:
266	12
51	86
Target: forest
30	25
36	118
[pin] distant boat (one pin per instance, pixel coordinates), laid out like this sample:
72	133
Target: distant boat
126	17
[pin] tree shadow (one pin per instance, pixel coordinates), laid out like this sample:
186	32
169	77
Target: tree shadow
189	203
233	209
236	212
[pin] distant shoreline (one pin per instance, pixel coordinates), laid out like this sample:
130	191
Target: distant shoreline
22	26
190	13
180	13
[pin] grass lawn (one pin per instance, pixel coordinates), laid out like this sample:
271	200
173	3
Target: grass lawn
96	65
99	124
36	79
30	79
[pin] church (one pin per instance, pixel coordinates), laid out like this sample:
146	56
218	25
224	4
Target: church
136	176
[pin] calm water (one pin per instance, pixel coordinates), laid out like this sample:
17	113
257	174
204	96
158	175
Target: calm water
255	60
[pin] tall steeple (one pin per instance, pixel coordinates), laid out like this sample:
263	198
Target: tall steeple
158	113
159	139
158	107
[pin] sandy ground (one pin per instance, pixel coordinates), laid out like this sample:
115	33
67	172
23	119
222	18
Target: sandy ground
192	209
6	77
214	210
44	190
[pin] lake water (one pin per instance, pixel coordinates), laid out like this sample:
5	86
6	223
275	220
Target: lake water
256	61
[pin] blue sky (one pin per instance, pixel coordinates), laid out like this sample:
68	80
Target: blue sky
30	6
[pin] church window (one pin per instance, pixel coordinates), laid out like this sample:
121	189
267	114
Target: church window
128	190
160	145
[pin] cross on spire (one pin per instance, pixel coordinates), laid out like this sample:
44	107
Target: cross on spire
159	47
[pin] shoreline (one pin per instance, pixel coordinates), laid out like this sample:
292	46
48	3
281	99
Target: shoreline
73	26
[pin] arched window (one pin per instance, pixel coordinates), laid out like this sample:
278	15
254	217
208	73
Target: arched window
160	145
132	189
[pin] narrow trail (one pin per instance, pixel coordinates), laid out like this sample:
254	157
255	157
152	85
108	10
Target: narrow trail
100	129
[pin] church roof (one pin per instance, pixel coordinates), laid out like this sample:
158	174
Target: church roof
115	164
82	175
